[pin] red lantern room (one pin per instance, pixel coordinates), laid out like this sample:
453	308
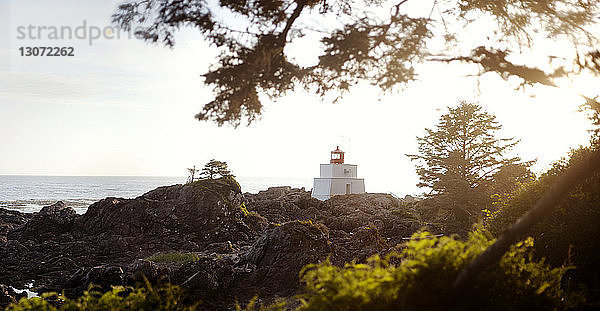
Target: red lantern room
337	156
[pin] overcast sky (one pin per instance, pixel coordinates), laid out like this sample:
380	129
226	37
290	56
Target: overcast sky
123	107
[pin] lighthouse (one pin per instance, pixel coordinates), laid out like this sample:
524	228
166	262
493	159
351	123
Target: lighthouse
337	178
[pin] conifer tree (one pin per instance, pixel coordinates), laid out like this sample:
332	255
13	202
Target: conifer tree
215	169
461	156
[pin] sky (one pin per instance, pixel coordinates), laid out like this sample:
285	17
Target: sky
125	107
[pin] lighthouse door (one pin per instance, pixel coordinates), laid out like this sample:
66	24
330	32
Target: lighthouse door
348	190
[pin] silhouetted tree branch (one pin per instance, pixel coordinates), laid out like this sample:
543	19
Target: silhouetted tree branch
495	61
381	50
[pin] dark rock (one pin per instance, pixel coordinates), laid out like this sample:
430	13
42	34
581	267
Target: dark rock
102	277
344	215
281	252
221	248
142	268
207	276
56	243
282	204
52	220
247	245
269	268
358	245
180	217
9	220
214	281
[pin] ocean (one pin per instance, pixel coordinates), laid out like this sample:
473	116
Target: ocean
29	194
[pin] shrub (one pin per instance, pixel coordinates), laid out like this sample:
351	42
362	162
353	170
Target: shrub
146	297
174	257
420	278
570	233
253	305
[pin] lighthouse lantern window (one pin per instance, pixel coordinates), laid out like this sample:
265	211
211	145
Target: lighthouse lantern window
337	156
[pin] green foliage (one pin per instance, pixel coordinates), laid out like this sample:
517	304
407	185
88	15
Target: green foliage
462	152
215	169
174	257
570	233
146	297
253	305
463	162
510	177
574	219
420	278
217	183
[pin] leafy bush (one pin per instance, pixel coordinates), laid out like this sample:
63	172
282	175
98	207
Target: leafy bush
420	278
253	305
174	257
570	234
164	297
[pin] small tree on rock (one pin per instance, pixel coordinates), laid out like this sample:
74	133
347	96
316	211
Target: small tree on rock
215	169
192	174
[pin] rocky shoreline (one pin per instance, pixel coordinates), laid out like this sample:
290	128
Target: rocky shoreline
246	244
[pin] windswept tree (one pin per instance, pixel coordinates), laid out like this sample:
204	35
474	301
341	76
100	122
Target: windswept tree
460	157
215	169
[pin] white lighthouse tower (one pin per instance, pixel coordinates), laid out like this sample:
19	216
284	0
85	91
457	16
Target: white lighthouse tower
337	178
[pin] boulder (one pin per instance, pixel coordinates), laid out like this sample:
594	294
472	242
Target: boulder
269	268
283	204
180	217
51	221
281	252
101	277
142	269
11	219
